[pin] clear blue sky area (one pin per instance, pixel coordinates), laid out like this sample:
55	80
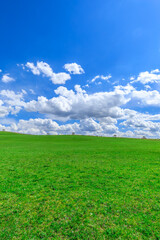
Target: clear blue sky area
116	38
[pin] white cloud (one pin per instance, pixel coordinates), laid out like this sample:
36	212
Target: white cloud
24	91
138	127
40	126
32	91
0	70
34	69
21	65
101	77
148	77
4	111
79	104
142	124
124	90
108	120
45	69
90	125
11	102
155	71
78	89
96	113
6	78
12	98
99	83
147	87
143	97
147	98
73	68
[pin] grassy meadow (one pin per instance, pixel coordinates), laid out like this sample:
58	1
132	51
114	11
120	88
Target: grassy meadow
79	187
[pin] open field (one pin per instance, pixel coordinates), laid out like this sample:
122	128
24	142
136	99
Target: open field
79	187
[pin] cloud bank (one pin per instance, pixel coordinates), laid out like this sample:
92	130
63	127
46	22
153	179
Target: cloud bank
125	110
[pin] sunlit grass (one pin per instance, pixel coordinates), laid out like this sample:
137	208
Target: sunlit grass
79	187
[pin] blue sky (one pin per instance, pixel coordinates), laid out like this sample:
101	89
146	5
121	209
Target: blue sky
117	43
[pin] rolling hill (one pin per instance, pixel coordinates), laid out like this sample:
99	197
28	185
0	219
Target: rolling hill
79	187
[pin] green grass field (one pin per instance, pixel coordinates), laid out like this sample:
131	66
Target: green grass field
79	187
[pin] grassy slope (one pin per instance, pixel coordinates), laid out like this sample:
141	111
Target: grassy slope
76	187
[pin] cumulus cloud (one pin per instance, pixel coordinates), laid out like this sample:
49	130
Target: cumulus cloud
147	98
98	112
143	97
106	127
34	69
86	127
141	127
11	102
73	68
6	78
90	125
45	69
4	111
79	105
104	113
13	99
147	77
40	126
124	90
155	71
106	78
108	120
